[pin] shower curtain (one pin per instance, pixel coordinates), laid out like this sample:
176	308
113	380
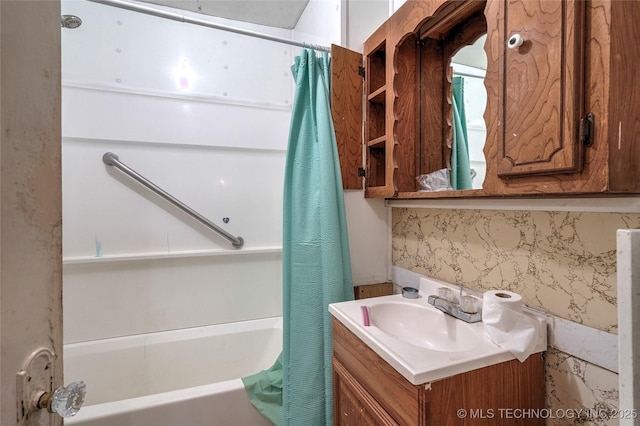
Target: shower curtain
316	265
460	167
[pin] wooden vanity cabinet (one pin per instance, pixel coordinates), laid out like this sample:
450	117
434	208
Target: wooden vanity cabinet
562	108
368	391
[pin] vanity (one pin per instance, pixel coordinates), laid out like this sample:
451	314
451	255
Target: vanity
560	114
415	365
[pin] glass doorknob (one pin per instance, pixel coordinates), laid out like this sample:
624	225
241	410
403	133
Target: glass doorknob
66	400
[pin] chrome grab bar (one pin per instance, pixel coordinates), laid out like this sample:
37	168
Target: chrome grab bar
112	159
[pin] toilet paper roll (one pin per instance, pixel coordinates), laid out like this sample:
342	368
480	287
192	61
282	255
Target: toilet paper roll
506	325
503	298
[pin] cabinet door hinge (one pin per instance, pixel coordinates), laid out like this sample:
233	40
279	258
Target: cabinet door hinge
586	130
361	172
361	71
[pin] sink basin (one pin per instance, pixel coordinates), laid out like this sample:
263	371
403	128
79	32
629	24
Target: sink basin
419	341
424	327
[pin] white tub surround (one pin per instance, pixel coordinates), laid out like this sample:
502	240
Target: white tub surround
217	404
184	117
157	378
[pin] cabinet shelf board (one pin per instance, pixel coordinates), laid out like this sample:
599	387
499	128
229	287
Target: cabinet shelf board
377	142
378	96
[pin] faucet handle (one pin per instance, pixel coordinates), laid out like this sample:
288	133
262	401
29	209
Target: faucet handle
469	304
445	293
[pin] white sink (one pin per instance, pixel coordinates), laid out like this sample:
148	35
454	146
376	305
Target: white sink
421	342
423	326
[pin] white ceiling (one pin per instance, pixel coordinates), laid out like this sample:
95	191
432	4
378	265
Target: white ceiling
274	13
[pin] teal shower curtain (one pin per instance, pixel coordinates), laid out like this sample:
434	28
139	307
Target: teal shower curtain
316	265
460	167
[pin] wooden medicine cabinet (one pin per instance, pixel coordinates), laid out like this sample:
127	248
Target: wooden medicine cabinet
561	105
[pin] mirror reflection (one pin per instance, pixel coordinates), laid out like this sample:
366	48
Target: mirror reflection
469	66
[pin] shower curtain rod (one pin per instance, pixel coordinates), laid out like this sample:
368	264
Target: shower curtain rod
134	7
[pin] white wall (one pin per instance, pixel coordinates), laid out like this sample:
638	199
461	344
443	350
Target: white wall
363	17
213	134
320	23
368	219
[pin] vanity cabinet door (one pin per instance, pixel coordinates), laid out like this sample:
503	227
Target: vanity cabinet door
353	405
537	47
369	391
366	387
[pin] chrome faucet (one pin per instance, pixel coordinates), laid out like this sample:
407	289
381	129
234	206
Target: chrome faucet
454	308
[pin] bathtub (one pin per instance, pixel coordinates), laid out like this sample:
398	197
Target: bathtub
185	377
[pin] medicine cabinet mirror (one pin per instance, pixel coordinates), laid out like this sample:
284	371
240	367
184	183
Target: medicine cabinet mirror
469	66
452	129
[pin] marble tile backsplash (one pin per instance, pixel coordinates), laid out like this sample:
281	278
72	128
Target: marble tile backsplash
563	263
578	392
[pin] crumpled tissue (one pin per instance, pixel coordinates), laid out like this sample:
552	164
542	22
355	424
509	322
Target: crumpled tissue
506	325
435	181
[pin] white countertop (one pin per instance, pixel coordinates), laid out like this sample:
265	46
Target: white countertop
418	364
